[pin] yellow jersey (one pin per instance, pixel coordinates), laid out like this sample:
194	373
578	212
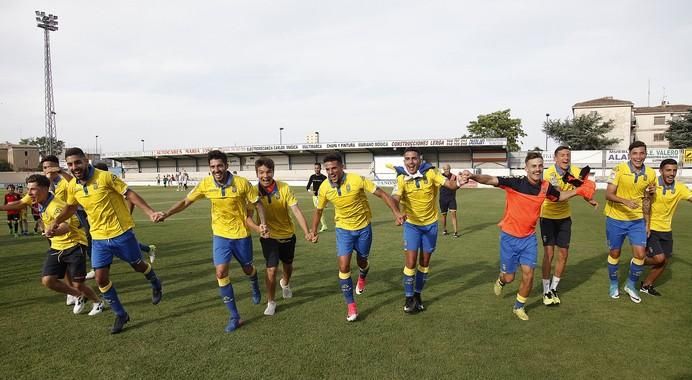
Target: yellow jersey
59	188
101	196
665	202
276	205
418	197
631	185
351	207
558	210
228	204
49	210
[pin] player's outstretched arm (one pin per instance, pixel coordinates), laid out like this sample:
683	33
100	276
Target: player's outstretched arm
138	201
399	218
177	207
646	206
250	222
480	178
13	206
301	221
264	229
315	222
453	182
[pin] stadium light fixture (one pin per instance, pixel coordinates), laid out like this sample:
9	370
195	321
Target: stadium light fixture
281	140
49	23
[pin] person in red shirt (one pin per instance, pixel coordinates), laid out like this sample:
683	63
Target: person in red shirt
12	215
518	245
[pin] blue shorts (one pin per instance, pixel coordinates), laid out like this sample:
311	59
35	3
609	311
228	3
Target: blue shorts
124	246
348	241
616	230
224	248
420	237
516	251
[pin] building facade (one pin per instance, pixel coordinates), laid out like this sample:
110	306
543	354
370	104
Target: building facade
20	157
653	122
620	111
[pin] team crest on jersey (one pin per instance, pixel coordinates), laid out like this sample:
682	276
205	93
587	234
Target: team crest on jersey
348	188
277	195
96	186
553	180
234	189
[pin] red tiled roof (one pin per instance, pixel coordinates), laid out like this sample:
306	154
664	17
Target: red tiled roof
604	101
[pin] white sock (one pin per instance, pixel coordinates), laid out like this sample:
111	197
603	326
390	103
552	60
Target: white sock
556	280
546	285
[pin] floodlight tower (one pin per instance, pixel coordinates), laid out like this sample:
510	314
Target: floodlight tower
49	23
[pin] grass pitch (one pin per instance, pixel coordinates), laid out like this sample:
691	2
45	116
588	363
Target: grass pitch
466	332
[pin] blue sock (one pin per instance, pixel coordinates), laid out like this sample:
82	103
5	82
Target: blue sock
144	248
347	289
636	269
229	300
111	297
520	302
408	285
613	269
254	283
153	279
421	278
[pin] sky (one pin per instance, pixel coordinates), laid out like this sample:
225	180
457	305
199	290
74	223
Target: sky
182	74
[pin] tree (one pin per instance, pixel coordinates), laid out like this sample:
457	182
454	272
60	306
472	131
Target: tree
43	143
498	124
679	134
5	166
585	132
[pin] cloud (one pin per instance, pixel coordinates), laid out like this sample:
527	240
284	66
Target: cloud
179	73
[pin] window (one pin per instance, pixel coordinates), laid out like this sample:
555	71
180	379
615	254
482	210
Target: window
659	120
659	137
26	153
593	113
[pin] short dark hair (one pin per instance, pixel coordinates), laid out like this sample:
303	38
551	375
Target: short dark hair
264	161
668	161
636	144
412	149
38	179
10	186
333	157
531	155
217	155
318	164
50	158
74	152
100	165
562	147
